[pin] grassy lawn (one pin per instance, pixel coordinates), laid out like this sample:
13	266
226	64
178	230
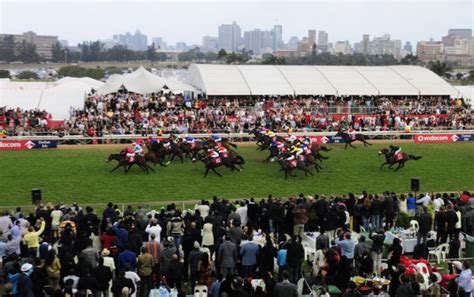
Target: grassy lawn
82	175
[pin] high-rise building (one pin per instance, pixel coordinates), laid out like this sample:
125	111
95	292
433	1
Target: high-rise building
385	46
43	43
253	41
461	33
181	45
277	37
209	44
136	42
293	43
342	47
312	36
159	42
364	44
408	47
429	50
267	40
323	44
230	37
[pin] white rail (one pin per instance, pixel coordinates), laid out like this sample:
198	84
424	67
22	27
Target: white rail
236	135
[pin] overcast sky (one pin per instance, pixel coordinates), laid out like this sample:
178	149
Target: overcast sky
188	21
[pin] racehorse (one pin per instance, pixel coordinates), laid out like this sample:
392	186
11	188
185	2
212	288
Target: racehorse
192	150
390	159
289	166
211	165
346	137
161	151
123	162
151	157
224	142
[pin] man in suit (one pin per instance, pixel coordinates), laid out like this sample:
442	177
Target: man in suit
424	222
285	288
227	256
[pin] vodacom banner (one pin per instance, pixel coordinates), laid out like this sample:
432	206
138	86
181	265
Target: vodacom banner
16	145
436	138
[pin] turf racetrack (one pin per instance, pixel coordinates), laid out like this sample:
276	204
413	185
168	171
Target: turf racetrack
82	175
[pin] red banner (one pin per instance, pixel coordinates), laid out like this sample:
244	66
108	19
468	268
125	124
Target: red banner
15	145
435	137
320	139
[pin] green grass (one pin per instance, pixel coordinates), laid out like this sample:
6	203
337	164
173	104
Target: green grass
82	176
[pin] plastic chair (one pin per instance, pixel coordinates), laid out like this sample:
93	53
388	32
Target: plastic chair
200	291
440	252
362	229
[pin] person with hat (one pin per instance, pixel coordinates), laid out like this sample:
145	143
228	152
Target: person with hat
24	284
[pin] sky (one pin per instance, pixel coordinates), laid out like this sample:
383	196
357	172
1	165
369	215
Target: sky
188	21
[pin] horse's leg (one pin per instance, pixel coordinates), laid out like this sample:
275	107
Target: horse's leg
149	167
115	168
399	165
128	168
382	165
347	143
350	143
207	171
213	169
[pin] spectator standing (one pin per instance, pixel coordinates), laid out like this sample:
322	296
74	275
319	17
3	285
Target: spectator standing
145	266
249	251
103	275
285	288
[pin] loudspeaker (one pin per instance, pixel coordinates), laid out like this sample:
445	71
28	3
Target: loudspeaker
36	196
415	184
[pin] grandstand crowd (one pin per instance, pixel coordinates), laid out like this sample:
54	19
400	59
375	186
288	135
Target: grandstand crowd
225	249
129	113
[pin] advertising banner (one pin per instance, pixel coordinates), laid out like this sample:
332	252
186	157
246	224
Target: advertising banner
16	145
435	138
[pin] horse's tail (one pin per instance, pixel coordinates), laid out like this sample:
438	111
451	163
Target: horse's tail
233	145
414	157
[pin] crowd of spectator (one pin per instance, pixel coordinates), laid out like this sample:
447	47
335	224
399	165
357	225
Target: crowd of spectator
221	246
129	113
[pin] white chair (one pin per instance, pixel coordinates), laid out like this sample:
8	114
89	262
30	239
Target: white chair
362	230
422	269
440	253
414	226
200	291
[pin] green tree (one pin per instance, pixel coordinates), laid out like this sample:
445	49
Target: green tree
7	48
113	70
76	71
27	52
151	53
119	53
410	59
440	68
162	57
28	75
222	54
4	73
57	53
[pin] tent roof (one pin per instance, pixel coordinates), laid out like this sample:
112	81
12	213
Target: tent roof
95	84
316	80
141	81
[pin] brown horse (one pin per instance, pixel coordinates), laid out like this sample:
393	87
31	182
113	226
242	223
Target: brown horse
123	162
390	159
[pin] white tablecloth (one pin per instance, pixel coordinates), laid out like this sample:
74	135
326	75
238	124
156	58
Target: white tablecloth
310	238
408	244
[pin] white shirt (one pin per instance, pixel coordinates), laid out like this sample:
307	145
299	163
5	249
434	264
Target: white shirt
438	202
203	210
425	200
154	230
135	279
242	212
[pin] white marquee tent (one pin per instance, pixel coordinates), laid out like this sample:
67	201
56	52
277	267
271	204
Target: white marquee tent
55	97
244	80
142	81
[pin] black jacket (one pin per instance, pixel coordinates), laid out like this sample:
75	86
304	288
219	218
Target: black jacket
121	283
424	221
295	254
103	275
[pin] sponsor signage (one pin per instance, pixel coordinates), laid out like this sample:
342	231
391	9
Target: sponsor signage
15	145
443	137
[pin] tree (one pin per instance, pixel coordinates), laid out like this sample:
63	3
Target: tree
269	59
151	53
4	73
28	75
313	49
440	68
459	76
76	71
410	59
27	52
7	48
221	54
57	52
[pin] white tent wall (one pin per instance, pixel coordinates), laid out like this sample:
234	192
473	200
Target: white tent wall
58	100
307	80
426	81
244	80
24	99
387	81
87	80
466	92
265	80
347	80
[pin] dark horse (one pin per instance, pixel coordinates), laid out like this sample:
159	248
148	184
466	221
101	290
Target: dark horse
287	168
346	137
210	165
390	159
123	162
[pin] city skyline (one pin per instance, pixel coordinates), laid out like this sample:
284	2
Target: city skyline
363	18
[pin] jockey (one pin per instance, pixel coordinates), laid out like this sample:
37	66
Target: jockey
395	151
152	140
222	150
189	139
296	149
291	137
137	148
129	154
216	138
3	132
270	133
290	157
212	154
351	132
